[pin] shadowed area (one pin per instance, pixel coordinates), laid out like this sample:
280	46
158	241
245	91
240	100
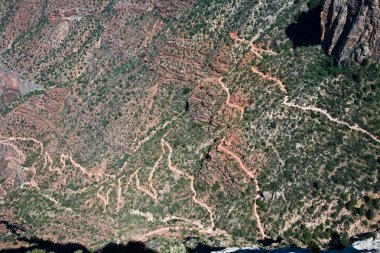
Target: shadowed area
203	248
49	246
306	30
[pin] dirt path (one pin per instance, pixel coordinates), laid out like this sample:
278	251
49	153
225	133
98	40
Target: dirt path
56	202
354	127
105	199
80	167
49	161
258	51
164	232
228	102
131	178
20	154
134	176
254	179
192	189
174	232
28	139
119	199
98	174
143	189
280	84
151	174
153	133
255	49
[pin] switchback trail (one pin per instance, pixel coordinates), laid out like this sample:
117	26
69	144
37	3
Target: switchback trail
104	199
255	49
143	189
258	51
151	174
191	178
153	133
228	102
280	84
255	182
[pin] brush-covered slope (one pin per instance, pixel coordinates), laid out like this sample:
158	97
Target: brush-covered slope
142	119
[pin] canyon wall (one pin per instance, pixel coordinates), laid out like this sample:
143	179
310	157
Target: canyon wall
351	30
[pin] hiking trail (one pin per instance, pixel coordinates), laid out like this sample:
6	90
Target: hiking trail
354	127
191	178
255	182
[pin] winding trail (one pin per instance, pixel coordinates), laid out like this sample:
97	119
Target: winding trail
143	189
99	174
50	161
153	133
228	102
191	178
257	51
80	167
280	84
151	174
63	159
28	139
134	176
119	199
20	154
104	199
165	231
255	182
354	127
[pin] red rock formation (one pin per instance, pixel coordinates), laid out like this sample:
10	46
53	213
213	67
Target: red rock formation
9	87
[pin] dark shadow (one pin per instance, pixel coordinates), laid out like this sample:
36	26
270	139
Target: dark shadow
202	248
49	246
269	242
306	30
13	228
131	247
335	242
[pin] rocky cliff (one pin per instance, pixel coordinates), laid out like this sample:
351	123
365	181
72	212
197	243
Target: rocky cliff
351	29
366	246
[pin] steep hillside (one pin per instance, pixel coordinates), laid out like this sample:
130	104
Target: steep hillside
152	119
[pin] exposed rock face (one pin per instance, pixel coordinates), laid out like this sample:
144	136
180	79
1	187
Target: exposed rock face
370	245
351	29
9	87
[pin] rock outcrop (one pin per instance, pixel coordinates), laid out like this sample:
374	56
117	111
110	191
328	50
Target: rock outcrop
370	245
9	87
351	30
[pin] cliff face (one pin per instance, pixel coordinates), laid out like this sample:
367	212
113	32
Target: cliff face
351	29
